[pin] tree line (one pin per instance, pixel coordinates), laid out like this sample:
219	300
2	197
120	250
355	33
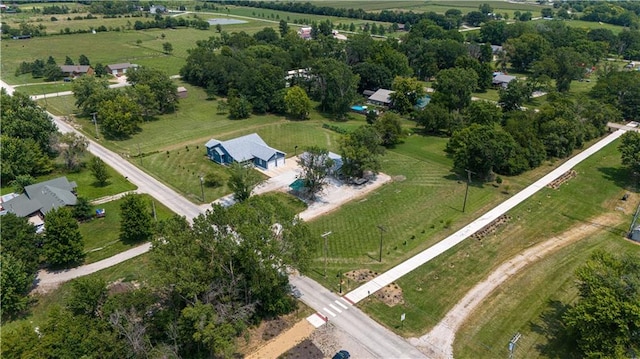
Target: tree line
120	111
208	283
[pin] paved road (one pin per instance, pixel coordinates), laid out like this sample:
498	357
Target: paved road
381	342
425	256
376	339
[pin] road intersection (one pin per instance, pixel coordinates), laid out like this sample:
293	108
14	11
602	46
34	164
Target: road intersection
340	311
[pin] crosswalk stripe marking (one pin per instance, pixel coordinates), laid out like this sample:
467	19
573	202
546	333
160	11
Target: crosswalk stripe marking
335	308
340	304
328	311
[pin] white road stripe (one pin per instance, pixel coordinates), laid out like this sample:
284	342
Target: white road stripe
335	308
328	311
340	304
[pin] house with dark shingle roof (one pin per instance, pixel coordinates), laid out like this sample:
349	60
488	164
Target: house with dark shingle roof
76	70
40	198
246	149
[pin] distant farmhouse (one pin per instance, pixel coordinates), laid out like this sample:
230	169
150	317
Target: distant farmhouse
76	70
305	33
40	198
246	149
502	80
382	97
119	69
157	9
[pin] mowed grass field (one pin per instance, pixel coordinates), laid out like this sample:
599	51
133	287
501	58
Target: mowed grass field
528	303
111	47
276	16
434	288
87	186
101	235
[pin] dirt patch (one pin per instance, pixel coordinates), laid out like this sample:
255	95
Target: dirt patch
273	328
399	178
390	295
305	350
555	184
284	342
119	286
269	330
491	227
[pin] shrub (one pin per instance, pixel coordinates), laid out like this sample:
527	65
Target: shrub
213	179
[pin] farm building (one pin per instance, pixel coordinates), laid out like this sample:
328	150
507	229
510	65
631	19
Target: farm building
305	33
118	69
382	97
502	80
246	149
76	70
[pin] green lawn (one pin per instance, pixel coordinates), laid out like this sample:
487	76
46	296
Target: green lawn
86	182
519	304
431	290
276	16
101	234
422	206
181	169
44	88
111	47
59	106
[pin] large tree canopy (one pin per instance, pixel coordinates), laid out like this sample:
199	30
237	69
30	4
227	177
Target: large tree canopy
360	151
482	149
336	86
163	88
605	321
229	269
454	87
630	150
23	119
316	166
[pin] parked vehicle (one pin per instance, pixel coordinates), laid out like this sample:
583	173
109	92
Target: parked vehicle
343	354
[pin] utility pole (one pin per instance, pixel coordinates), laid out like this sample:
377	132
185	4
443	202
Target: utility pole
382	229
202	187
466	192
95	122
326	251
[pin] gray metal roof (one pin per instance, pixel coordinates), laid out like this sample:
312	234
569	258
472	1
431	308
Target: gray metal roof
502	79
43	197
246	148
382	95
21	206
120	66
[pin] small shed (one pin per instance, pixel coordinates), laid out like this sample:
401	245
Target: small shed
182	92
635	234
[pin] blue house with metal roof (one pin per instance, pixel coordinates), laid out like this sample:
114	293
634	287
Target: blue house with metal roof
246	149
